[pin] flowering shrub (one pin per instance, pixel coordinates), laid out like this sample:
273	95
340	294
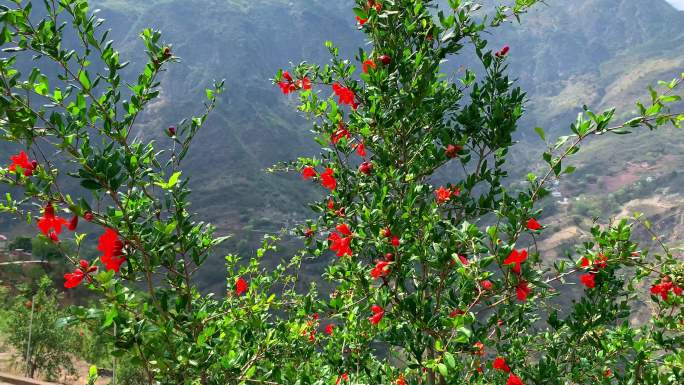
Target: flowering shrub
433	283
75	118
442	283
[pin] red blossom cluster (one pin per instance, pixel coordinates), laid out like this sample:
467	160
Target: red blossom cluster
589	279
516	258
499	363
241	286
340	240
331	206
327	179
367	64
360	148
21	162
382	267
378	313
109	244
71	280
341	377
50	224
288	85
533	225
112	250
341	132
387	233
664	287
443	194
452	150
310	329
345	95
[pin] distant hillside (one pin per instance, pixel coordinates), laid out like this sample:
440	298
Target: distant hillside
595	52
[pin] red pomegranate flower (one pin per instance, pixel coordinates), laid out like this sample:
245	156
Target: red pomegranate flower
381	269
456	313
588	280
21	160
516	258
452	151
664	287
401	380
241	286
486	284
442	195
366	168
503	52
385	59
73	279
73	223
514	380
288	85
500	364
303	83
50	224
533	225
329	329
340	133
76	277
378	313
361	149
343	376
308	172
601	261
585	262
368	64
328	180
345	95
395	241
522	291
340	241
112	250
361	21
479	348
463	259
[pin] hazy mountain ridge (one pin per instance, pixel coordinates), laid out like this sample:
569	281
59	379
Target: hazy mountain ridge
565	54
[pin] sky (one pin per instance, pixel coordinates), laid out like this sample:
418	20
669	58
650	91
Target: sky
677	3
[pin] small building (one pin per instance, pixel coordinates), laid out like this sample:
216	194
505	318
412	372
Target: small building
3	242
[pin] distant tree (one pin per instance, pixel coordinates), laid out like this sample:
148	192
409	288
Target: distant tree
20	243
31	326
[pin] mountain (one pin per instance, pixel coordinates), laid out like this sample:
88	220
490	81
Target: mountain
565	54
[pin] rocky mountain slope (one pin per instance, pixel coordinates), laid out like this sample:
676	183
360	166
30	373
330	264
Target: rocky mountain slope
566	53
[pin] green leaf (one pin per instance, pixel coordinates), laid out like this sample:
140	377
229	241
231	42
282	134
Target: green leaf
174	179
90	184
450	361
360	13
84	79
540	132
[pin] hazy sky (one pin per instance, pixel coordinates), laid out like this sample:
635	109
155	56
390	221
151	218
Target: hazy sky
677	3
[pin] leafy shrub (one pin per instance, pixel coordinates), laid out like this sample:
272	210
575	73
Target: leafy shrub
432	284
